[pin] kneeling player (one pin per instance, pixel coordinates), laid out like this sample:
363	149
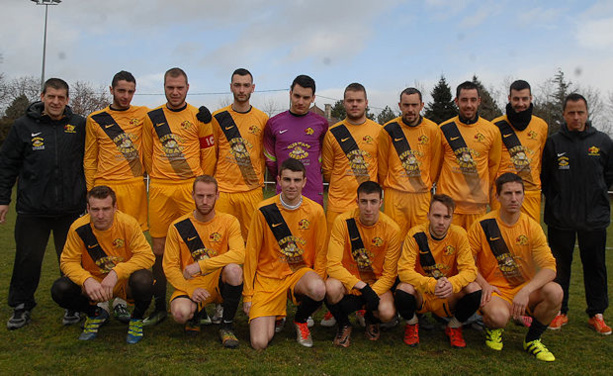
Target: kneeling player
437	272
516	269
286	257
106	255
203	252
362	256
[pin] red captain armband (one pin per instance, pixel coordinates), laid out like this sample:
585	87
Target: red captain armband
206	142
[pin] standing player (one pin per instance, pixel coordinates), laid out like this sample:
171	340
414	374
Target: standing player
43	151
287	252
437	272
113	156
523	140
298	134
238	130
409	162
362	258
349	153
177	147
471	156
106	255
516	269
203	252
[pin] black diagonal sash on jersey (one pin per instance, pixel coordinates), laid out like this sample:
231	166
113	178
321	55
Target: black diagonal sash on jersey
358	252
401	145
114	131
516	150
94	249
426	259
192	240
284	236
175	157
238	147
460	149
351	150
506	263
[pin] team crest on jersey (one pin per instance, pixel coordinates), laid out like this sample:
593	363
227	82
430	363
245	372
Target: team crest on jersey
368	139
201	254
410	161
357	161
215	237
135	121
362	257
107	263
309	131
290	249
186	124
377	241
171	145
299	150
423	139
304	224
593	151
69	128
118	243
38	143
479	137
126	146
449	250
254	129
521	240
465	160
532	135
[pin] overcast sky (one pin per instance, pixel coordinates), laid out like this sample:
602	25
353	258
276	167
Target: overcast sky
386	45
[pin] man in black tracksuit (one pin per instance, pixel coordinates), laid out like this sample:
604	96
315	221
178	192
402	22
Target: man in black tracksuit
577	171
44	151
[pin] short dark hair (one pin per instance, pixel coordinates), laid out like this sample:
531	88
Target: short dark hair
175	72
122	76
304	81
467	85
574	97
368	187
409	91
205	179
241	72
520	85
292	165
57	84
443	199
354	87
101	192
508	177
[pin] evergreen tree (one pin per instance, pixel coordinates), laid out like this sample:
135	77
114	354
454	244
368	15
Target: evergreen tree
442	106
386	115
549	107
16	109
488	109
338	110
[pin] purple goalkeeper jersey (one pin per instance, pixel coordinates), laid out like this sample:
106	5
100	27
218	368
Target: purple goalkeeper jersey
300	137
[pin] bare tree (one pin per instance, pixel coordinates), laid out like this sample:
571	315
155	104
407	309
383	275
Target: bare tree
270	107
28	86
84	99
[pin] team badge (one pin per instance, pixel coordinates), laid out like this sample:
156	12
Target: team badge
68	128
254	129
186	124
118	243
309	131
593	151
449	250
368	139
479	137
521	240
532	135
423	139
377	241
304	224
135	121
215	237
38	143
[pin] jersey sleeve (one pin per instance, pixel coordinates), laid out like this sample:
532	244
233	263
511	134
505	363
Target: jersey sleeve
142	255
406	267
437	155
234	255
327	153
495	154
467	271
172	262
336	249
208	148
541	253
70	260
390	265
252	254
321	246
90	160
269	150
383	152
148	145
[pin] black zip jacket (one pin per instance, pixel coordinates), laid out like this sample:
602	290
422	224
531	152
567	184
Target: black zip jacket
47	157
577	171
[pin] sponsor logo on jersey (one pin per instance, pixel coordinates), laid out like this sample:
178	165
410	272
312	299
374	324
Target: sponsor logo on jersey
171	145
203	254
519	158
299	150
411	162
107	263
126	146
69	128
290	249
466	160
363	257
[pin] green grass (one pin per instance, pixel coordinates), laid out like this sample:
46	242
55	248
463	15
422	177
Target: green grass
46	347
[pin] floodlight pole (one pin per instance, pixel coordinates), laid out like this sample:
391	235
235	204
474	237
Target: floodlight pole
46	3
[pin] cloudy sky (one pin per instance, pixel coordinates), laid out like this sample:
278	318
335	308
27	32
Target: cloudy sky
386	45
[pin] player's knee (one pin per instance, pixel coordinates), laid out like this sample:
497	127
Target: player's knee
62	290
158	246
553	294
181	313
259	342
386	311
334	290
409	289
141	283
233	274
471	287
496	316
317	290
